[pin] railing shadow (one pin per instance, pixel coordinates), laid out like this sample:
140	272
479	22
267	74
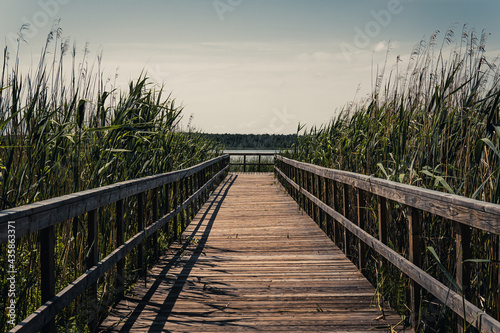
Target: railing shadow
165	309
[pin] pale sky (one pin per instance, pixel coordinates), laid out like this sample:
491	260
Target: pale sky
250	66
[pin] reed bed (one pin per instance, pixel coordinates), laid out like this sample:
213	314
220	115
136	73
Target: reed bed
433	123
63	131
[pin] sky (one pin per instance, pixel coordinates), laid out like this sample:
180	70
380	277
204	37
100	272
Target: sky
249	66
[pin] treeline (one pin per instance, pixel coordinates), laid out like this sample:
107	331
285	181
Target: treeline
253	141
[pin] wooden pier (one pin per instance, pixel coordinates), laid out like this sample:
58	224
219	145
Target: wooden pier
252	260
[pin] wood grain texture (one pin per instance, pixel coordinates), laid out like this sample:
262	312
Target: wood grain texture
251	260
474	213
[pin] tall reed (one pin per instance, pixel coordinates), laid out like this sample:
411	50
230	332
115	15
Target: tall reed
434	123
65	131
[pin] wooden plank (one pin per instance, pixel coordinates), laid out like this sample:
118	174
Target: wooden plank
450	298
478	214
251	260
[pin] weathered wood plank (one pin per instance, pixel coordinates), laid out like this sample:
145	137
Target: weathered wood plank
251	260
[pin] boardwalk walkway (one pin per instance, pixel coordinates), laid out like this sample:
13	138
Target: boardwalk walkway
250	260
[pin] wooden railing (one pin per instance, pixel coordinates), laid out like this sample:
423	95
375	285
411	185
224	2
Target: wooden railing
189	187
246	162
317	188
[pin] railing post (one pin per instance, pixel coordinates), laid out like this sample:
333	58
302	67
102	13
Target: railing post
120	265
463	239
336	227
326	200
309	202
382	219
167	209
47	270
317	194
382	226
184	213
140	227
345	208
196	186
244	162
360	199
200	184
92	241
155	218
296	178
259	162
414	257
92	259
175	195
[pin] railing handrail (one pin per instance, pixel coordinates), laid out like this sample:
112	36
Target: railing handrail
44	314
39	215
410	196
259	163
251	154
477	214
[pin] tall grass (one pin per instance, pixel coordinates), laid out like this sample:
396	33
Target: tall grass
63	131
432	123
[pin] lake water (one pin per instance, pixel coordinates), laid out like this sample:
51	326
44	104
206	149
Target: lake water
250	151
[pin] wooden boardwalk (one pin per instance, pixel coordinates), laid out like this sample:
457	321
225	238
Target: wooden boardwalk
251	260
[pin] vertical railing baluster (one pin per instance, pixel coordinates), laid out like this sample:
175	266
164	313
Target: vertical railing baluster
414	257
140	227
168	197
92	259
361	203
175	195
336	224
326	200
47	270
345	208
92	242
120	265
382	219
155	218
463	240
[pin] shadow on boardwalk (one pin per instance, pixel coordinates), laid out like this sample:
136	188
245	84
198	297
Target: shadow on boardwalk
251	261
